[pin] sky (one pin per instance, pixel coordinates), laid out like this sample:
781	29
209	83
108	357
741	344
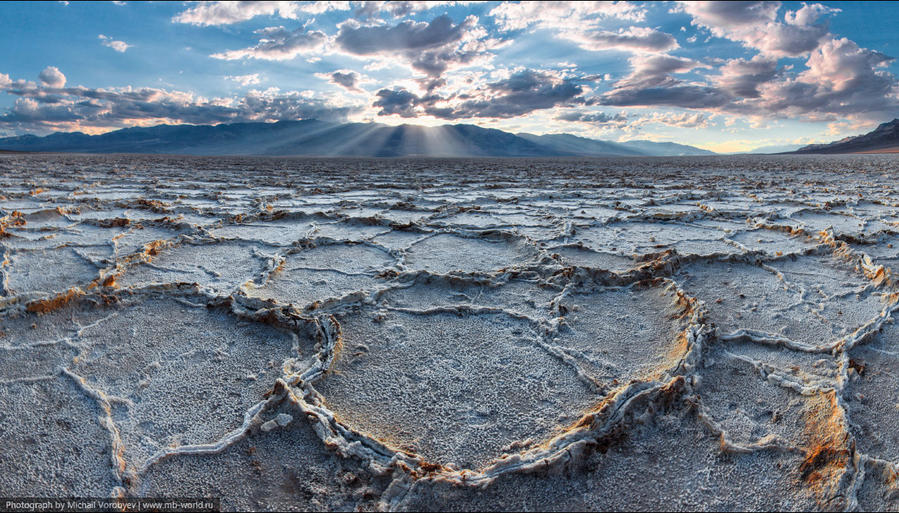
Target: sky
723	76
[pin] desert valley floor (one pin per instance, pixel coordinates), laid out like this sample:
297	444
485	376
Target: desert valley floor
655	333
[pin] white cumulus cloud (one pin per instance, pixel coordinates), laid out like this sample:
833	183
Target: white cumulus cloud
245	80
119	46
227	13
52	77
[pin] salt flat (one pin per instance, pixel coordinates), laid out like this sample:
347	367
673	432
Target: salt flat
648	333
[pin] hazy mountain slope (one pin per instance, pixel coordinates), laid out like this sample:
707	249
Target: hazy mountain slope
777	148
667	149
884	137
319	138
575	145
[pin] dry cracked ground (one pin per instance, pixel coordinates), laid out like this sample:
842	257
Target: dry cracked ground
687	333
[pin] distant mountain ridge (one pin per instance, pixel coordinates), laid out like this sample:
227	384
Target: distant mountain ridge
884	138
322	138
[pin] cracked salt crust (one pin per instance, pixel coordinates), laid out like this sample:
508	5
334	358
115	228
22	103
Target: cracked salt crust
698	333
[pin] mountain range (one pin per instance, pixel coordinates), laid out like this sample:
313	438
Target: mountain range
321	138
883	139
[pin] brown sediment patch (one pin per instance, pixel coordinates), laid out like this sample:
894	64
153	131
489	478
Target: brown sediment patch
426	468
109	281
156	206
152	249
278	268
116	222
147	252
337	347
42	306
675	353
15	218
829	450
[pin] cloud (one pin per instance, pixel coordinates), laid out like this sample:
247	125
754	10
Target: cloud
521	93
47	107
430	47
584	23
742	78
52	77
275	105
755	25
595	118
621	121
119	46
323	7
631	39
407	36
651	83
397	101
808	14
655	70
367	10
841	79
226	13
245	80
840	65
400	9
278	44
562	15
675	119
397	9
445	66
434	63
347	79
635	123
684	96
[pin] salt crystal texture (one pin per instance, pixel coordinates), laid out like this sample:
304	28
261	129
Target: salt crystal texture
691	333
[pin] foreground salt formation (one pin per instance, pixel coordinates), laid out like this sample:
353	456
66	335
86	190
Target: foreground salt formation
711	333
